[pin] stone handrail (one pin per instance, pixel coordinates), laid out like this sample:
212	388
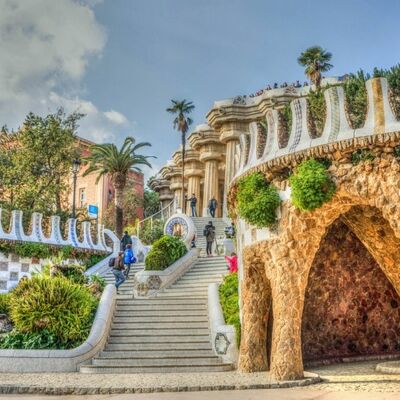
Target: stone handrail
26	361
223	337
16	232
150	283
379	119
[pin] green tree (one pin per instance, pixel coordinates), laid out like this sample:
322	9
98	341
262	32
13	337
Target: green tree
151	203
36	161
108	159
181	110
316	60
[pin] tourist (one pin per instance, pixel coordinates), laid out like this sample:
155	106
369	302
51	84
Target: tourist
212	206
193	203
209	233
129	259
193	242
275	85
232	262
126	239
118	270
298	84
230	231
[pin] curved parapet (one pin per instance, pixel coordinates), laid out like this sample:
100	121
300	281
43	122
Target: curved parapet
17	233
379	119
182	226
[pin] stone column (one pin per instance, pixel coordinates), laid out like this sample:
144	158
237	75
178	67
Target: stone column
206	142
210	182
230	134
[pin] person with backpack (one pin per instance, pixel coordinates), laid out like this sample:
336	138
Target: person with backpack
118	270
193	203
212	206
126	239
209	233
129	259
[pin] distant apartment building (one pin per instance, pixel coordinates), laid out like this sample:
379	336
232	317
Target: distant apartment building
100	194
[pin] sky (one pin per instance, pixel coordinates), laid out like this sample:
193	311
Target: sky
120	62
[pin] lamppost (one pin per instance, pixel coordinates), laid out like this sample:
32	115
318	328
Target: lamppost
75	169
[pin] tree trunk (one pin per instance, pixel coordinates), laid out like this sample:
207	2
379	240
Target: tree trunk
183	172
119	213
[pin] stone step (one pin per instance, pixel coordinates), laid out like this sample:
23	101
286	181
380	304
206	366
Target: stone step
192	286
199	294
95	369
162	313
160	332
164	317
165	340
162	308
206	279
158	354
160	325
156	347
157	300
157	362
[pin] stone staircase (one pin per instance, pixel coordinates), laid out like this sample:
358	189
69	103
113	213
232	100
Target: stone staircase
167	333
200	223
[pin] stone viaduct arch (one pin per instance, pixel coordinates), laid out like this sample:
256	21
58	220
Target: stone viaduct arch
276	270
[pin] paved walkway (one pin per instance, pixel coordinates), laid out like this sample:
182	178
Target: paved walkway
358	380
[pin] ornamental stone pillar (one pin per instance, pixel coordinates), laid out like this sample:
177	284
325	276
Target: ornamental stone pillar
206	142
162	187
194	170
174	175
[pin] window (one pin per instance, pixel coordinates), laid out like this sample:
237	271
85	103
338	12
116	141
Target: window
82	197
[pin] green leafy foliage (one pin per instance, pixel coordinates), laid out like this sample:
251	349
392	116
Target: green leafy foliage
257	200
311	185
73	272
57	305
361	155
164	252
356	99
229	298
37	340
317	109
150	232
4	303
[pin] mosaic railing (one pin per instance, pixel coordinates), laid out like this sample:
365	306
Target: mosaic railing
16	232
379	119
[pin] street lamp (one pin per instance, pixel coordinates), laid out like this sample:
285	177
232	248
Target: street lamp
75	169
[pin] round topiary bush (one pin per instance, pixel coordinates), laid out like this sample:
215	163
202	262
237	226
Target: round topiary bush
311	185
164	252
56	305
257	200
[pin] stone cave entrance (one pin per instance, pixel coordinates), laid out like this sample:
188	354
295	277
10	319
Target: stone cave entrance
351	308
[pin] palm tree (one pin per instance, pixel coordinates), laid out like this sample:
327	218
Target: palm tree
108	159
181	123
316	60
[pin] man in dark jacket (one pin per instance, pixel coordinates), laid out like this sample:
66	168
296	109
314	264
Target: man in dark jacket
193	203
209	233
212	206
126	239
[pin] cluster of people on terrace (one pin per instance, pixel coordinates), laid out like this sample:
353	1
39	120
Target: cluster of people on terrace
296	84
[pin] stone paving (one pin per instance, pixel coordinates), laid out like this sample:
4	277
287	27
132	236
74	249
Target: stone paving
352	377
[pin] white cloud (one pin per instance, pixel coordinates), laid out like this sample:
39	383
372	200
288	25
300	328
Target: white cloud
116	117
46	46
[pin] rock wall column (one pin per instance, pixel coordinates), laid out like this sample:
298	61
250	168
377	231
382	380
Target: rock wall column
256	300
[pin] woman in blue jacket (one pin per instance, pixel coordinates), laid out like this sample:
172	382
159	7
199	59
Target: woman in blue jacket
129	259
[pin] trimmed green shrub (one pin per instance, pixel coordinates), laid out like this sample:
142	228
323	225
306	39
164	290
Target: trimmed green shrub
38	340
164	252
311	185
229	298
356	99
5	303
257	200
361	155
317	110
57	305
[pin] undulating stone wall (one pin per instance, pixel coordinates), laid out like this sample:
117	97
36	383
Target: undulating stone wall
350	308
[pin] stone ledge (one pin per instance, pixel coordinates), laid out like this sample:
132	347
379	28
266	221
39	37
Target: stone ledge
77	384
24	361
223	337
390	367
